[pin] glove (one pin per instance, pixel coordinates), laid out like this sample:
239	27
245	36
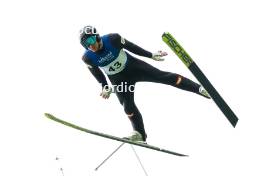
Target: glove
106	92
157	56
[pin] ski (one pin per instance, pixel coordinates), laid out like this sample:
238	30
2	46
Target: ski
50	116
196	71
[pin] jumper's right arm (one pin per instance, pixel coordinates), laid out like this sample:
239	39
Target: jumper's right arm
99	76
96	72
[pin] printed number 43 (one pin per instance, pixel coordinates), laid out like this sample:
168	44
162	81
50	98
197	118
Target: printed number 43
115	66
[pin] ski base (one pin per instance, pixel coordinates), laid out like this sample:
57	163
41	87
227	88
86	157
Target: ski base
50	116
200	76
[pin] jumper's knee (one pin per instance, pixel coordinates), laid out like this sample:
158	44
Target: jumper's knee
178	80
130	115
129	111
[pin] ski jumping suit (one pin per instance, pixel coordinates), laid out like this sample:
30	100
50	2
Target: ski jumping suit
124	69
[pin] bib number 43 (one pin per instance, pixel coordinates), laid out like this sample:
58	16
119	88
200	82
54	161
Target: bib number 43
115	66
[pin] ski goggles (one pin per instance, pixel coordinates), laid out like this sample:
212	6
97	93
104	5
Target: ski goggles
90	41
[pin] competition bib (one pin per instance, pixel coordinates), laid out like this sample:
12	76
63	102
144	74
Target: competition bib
116	65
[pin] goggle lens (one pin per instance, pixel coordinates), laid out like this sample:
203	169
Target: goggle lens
90	40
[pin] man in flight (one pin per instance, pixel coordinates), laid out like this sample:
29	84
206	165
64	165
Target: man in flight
108	53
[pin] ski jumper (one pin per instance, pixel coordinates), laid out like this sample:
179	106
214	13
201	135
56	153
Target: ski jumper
124	69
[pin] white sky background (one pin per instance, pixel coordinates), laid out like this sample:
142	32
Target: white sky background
41	71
